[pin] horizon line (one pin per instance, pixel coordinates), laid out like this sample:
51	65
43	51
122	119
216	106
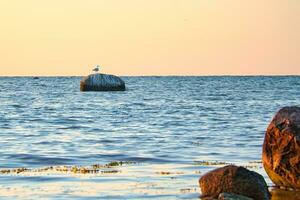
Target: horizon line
170	75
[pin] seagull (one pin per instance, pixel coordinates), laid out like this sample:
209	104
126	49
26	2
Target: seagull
96	69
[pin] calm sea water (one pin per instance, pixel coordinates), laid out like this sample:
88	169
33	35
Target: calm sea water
166	126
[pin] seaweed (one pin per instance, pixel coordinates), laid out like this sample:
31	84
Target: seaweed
93	169
210	163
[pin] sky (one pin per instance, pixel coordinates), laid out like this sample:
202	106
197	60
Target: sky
150	37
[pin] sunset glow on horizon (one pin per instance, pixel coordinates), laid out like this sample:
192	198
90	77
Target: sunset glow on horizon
157	37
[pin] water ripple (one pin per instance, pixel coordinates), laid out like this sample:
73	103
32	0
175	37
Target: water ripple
165	120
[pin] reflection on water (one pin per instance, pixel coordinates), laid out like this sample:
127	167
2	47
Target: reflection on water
163	124
133	180
281	194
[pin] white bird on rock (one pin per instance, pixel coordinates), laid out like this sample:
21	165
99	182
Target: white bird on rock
96	69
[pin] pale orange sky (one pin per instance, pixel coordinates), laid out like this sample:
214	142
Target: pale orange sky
150	37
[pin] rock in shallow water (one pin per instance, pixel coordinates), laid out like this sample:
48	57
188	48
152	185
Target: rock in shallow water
102	82
281	149
233	179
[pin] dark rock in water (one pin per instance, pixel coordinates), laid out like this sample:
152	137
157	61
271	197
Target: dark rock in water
231	196
233	179
281	149
36	77
102	82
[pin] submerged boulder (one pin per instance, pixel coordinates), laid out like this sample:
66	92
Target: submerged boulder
102	82
233	179
230	196
281	148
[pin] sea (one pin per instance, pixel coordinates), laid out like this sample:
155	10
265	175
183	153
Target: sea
152	141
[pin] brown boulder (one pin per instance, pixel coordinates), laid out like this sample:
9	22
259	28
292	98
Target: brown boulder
281	149
233	179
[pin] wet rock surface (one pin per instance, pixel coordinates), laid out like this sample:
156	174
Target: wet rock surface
234	179
102	82
281	148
